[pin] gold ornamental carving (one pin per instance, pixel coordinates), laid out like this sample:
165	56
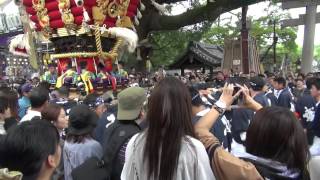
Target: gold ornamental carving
117	9
43	17
66	15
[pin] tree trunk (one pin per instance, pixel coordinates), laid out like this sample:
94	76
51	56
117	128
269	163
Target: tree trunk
153	21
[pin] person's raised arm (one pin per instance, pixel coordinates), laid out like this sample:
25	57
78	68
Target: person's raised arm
221	161
218	108
226	99
249	102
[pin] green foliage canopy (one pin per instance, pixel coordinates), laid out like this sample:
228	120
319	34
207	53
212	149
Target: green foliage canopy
169	45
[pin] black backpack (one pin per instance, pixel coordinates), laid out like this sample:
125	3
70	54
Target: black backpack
102	169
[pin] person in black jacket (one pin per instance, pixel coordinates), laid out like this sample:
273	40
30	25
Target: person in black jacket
315	125
291	82
199	109
270	89
270	79
298	90
64	100
305	109
282	93
107	117
96	103
129	118
241	117
271	97
219	80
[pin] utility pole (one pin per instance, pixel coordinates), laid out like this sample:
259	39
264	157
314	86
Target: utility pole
244	41
275	41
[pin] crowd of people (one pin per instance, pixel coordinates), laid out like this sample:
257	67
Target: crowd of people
190	127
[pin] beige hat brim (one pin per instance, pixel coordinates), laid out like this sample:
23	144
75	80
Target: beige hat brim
124	114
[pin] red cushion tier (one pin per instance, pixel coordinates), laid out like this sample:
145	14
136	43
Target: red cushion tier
29	3
59	23
89	3
55	15
52	6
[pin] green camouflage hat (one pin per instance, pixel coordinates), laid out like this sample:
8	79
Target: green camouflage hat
130	103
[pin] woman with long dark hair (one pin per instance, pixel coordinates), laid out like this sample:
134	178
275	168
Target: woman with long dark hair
167	149
276	145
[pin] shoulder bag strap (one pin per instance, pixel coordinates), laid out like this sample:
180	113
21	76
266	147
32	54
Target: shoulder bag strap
134	158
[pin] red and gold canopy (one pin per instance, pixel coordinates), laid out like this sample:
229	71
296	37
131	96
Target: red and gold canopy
52	15
85	28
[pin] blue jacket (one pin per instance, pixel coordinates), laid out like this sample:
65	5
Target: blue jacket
285	99
218	129
106	118
305	107
316	122
272	98
24	104
241	117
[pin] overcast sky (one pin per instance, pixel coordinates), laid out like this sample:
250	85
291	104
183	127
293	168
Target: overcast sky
256	10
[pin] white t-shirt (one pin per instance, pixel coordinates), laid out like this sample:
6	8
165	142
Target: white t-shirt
193	161
2	130
30	114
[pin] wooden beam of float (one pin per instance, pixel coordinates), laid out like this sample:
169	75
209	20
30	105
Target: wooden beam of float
104	55
83	55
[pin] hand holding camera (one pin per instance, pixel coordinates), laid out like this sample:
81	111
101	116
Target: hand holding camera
228	96
248	101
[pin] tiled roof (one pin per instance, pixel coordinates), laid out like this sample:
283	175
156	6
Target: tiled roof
207	54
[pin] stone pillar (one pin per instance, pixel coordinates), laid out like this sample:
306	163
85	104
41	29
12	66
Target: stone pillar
308	42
